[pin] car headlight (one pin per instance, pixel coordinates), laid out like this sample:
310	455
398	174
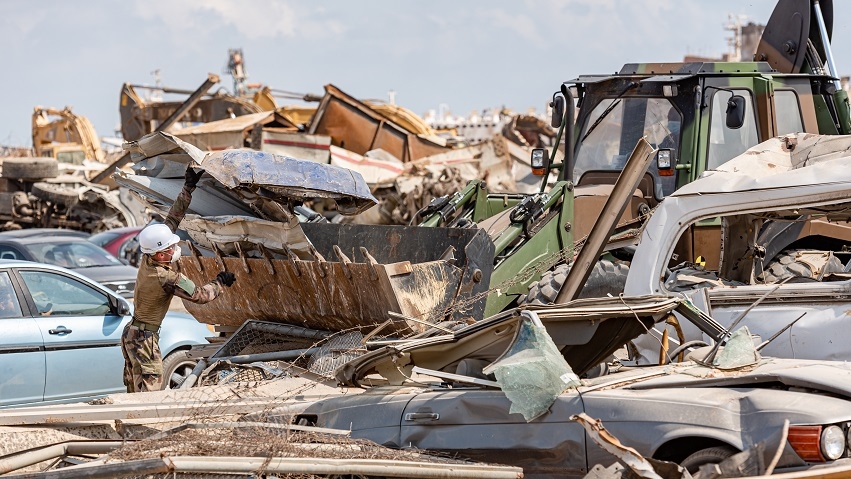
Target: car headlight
832	442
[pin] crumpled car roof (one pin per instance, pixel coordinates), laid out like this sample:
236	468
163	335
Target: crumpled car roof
243	172
290	177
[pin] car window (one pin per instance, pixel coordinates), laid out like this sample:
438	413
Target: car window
9	305
7	252
59	295
81	254
103	238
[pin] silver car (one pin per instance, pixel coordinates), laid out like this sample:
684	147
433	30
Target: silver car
60	336
436	394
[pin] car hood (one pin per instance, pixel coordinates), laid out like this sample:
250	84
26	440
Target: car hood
106	274
586	331
827	376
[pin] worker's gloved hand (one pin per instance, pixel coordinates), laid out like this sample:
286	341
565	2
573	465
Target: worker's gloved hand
191	177
226	278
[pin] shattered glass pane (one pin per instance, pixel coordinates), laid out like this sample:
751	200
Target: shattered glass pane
738	351
532	372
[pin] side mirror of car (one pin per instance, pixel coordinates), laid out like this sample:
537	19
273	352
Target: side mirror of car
735	112
119	306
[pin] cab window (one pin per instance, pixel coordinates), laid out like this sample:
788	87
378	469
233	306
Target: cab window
788	112
725	143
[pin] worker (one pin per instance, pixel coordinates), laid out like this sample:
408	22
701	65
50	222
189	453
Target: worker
158	281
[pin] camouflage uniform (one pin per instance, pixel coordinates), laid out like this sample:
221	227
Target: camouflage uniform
156	284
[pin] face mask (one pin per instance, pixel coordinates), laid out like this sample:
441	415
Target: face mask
175	256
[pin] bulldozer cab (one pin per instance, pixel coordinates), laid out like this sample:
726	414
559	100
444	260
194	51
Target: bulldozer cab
699	115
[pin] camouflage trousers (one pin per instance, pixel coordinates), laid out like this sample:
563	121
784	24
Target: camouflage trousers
143	362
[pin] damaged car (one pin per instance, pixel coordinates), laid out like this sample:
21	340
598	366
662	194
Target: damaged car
500	391
762	242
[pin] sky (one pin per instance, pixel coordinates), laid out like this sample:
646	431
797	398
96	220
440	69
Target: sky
468	55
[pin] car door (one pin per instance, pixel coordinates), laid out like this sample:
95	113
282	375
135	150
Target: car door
476	424
81	335
22	362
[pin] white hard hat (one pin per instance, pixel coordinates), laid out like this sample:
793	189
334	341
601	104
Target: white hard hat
156	237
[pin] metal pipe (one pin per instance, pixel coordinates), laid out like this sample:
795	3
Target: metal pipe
193	376
822	29
367	467
625	186
13	462
273	356
143	467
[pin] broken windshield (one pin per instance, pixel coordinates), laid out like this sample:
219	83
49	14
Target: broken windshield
608	145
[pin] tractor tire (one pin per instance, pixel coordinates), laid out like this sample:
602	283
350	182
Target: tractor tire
176	368
30	168
791	263
56	194
710	455
607	277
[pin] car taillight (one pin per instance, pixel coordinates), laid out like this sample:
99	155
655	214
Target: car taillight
805	441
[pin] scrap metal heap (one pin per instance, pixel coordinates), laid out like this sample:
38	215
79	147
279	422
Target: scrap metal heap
244	217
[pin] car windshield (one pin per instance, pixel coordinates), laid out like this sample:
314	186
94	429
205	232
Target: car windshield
103	238
609	143
80	254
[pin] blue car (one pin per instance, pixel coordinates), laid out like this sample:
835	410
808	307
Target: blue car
60	336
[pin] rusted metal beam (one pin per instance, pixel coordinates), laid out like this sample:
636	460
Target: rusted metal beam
627	182
193	99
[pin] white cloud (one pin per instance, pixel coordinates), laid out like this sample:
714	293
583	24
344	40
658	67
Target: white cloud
252	20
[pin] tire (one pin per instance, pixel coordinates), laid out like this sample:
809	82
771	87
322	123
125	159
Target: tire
607	277
710	455
176	368
790	264
30	168
54	193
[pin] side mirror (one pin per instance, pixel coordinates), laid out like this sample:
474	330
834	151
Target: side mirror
665	161
735	112
540	161
119	306
558	111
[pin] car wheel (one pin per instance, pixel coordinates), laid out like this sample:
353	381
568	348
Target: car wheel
710	455
177	366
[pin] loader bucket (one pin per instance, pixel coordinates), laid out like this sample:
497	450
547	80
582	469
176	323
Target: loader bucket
357	275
